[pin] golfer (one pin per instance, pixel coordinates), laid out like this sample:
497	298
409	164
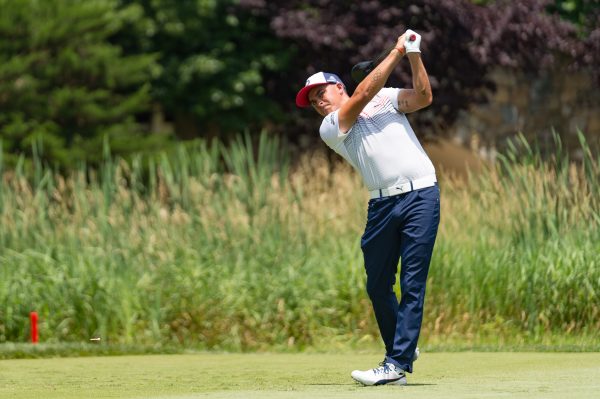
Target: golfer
369	130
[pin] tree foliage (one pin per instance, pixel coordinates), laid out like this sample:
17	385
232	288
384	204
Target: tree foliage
585	14
73	72
63	85
462	42
582	13
213	60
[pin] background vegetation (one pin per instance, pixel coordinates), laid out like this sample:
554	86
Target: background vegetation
145	72
115	223
225	249
65	86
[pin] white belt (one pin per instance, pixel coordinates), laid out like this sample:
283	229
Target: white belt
407	187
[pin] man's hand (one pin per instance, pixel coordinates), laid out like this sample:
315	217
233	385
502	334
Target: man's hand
412	41
400	44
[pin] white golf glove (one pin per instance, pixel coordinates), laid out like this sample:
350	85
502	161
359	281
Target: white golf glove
412	46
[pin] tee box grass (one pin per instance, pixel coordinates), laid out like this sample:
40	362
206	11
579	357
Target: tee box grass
204	375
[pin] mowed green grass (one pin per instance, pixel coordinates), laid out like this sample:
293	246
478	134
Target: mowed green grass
437	375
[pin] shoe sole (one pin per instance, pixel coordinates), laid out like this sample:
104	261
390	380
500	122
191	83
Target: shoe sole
400	382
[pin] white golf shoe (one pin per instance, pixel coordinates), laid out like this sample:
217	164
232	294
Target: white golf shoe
386	373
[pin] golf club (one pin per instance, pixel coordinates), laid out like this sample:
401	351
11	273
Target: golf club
362	69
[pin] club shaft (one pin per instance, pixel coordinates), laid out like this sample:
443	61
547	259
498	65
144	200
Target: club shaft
383	54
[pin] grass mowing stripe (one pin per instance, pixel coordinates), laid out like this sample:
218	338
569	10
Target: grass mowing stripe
437	375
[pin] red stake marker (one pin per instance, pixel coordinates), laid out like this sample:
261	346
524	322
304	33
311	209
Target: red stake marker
33	316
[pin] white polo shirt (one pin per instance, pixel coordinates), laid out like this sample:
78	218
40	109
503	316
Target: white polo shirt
380	145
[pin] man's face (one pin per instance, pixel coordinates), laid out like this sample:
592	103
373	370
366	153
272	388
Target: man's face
326	98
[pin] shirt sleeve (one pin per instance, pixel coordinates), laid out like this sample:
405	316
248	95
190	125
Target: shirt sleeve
391	93
330	131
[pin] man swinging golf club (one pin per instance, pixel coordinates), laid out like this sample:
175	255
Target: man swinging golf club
369	130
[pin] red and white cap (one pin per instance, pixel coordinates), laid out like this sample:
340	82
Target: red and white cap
318	79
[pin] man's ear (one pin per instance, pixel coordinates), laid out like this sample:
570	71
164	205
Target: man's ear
340	87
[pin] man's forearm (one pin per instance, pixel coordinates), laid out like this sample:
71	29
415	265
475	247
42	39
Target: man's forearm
421	83
377	78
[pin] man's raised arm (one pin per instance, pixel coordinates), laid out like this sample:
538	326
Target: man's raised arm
420	95
369	87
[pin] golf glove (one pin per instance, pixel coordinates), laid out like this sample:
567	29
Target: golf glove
412	46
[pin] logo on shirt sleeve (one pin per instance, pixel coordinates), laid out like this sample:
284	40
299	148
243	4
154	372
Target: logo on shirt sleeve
332	119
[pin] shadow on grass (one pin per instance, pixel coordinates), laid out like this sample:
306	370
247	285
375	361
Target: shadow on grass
420	385
364	386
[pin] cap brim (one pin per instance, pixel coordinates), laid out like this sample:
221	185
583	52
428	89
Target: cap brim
302	100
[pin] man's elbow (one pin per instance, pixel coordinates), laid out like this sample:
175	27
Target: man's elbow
426	100
429	99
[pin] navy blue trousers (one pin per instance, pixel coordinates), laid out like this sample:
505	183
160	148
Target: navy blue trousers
403	226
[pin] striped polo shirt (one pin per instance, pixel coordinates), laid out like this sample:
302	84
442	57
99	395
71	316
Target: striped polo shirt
380	145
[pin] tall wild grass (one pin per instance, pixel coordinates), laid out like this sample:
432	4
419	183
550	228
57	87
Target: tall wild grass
233	247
